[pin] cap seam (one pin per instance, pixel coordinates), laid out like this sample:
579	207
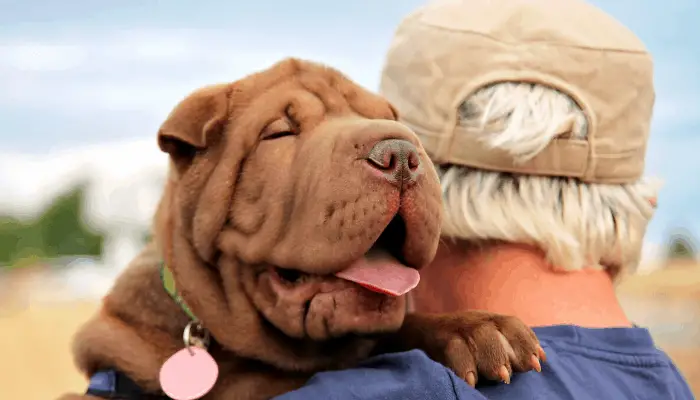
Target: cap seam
617	154
553	44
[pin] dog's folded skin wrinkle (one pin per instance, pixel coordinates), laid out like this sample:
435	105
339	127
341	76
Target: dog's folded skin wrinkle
283	239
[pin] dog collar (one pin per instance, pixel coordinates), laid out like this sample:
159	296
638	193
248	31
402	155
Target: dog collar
166	276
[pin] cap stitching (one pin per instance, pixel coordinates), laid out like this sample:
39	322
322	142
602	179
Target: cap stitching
554	44
618	154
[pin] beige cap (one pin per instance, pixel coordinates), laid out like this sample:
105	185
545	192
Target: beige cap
448	49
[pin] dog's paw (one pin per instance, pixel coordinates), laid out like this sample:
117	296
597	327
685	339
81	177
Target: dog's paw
475	344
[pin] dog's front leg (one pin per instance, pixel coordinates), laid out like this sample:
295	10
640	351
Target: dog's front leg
472	343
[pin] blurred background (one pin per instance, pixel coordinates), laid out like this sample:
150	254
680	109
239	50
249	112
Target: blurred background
85	84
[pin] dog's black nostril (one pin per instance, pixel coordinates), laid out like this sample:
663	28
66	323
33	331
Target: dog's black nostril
413	160
385	160
397	159
288	275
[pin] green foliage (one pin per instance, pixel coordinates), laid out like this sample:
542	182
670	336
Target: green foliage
58	232
147	237
681	246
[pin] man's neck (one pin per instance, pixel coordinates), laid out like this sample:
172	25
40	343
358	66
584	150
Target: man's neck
517	280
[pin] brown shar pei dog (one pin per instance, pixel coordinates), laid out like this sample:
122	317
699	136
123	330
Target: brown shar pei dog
296	214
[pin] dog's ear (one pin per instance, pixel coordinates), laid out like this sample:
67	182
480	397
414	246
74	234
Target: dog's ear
194	122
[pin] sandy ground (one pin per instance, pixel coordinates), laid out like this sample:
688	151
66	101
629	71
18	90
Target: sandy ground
37	341
36	335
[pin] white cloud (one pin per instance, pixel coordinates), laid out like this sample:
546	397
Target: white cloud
124	46
139	70
35	57
121	178
151	69
138	45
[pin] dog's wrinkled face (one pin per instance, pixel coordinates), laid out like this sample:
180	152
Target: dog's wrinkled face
303	198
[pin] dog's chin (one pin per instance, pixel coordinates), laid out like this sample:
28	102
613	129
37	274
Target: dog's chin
362	299
324	307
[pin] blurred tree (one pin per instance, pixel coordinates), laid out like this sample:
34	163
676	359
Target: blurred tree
59	231
62	228
681	246
147	237
10	237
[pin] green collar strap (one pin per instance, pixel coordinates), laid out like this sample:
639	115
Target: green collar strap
166	276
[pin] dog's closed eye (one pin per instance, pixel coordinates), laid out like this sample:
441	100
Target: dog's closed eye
278	135
278	129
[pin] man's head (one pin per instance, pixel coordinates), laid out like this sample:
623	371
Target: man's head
537	114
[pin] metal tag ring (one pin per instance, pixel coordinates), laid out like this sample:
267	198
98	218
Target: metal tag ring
195	335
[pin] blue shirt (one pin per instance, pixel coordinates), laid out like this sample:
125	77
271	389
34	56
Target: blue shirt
582	364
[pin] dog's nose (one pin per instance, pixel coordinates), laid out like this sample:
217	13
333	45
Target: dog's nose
397	160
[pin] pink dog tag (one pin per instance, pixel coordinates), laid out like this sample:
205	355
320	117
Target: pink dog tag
189	374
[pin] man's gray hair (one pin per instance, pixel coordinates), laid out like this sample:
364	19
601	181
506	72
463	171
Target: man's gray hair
579	225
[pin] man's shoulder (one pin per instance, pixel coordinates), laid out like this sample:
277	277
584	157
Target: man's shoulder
582	364
608	363
406	376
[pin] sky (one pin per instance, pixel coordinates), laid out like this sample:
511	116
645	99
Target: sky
86	79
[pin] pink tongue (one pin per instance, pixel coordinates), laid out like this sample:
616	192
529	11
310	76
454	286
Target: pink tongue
382	275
